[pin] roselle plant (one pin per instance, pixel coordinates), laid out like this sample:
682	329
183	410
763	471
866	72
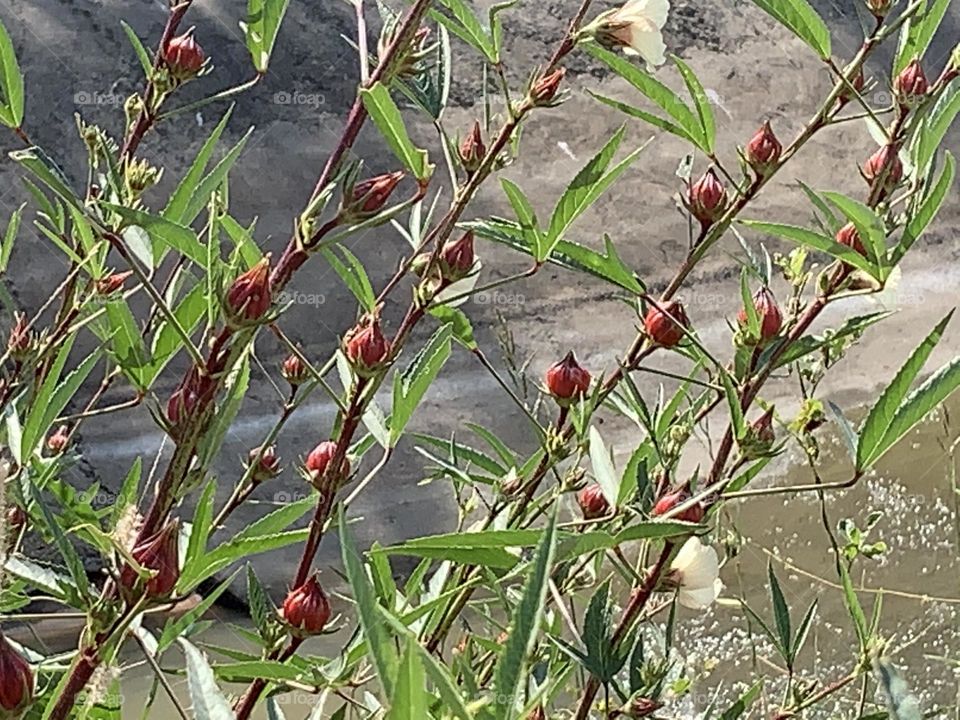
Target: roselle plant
525	610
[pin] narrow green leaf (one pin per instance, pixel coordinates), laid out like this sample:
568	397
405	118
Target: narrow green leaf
603	470
647	117
879	421
386	116
180	199
378	639
802	20
9	237
165	233
410	700
466	27
932	202
700	102
353	274
744	702
918	32
261	29
781	613
410	386
510	678
142	55
816	241
11	82
207	699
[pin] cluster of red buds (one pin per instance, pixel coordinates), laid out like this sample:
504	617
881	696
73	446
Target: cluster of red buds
306	609
21	339
250	296
184	57
294	371
543	91
760	437
457	258
884	169
159	554
593	503
472	150
567	380
707	199
763	151
366	347
694	513
368	197
911	85
666	324
768	314
110	284
16	681
263	463
57	442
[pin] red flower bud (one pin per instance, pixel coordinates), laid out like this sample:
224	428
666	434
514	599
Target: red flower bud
365	346
16	681
160	555
545	89
911	84
20	341
294	370
250	296
266	465
320	457
538	713
707	198
306	608
368	197
472	149
768	313
668	502
111	283
16	518
884	166
58	440
568	379
665	327
763	150
848	235
592	502
184	57
457	257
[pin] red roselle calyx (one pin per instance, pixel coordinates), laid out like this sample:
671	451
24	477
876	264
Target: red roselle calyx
457	258
763	151
294	370
111	283
848	236
567	380
367	197
884	167
366	347
472	149
184	57
911	84
768	313
544	90
319	459
668	502
306	608
593	504
666	326
265	465
58	440
707	198
16	681
20	341
159	554
250	296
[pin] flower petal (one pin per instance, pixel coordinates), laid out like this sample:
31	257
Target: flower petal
649	45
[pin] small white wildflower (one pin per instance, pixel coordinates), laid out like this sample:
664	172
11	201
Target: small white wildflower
696	571
636	27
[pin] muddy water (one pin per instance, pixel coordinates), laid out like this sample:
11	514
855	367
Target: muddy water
918	577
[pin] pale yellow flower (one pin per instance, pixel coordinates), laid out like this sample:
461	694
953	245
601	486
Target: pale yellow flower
696	571
637	28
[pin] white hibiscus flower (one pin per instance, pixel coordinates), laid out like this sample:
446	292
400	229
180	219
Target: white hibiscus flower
695	570
636	27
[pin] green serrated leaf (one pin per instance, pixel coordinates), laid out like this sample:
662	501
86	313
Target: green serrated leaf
802	20
386	116
410	386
